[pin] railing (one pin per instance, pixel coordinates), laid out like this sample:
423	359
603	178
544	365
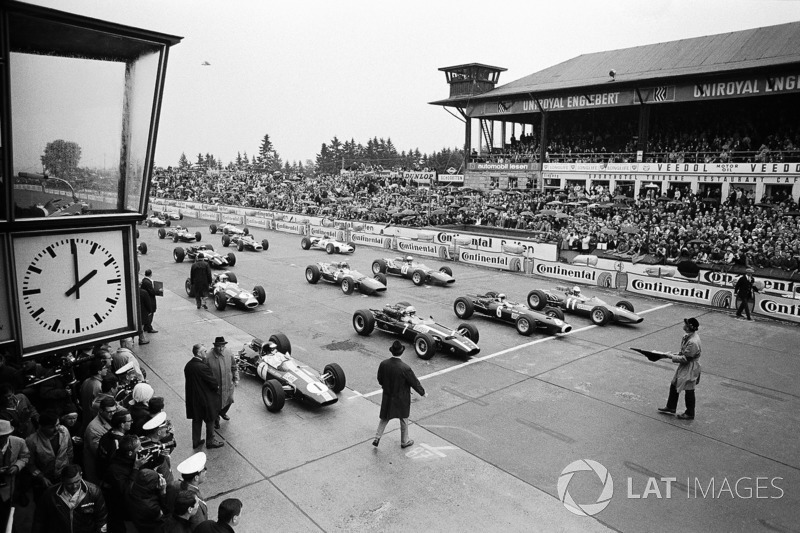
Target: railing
778	156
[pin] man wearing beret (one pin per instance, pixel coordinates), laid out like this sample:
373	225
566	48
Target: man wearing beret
397	379
687	374
744	292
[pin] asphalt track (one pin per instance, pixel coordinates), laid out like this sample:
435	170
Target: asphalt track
496	432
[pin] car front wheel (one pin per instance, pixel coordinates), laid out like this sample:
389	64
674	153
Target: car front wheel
273	396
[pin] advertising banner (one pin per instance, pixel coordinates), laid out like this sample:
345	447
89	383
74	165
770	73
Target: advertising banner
327	232
189	212
503	261
781	307
207	215
430	249
680	291
451	178
575	273
231	218
257	222
531	249
370	239
289	227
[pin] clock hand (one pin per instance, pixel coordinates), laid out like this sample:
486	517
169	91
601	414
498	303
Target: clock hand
75	288
74	248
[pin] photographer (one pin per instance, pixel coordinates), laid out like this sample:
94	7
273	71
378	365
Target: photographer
17	409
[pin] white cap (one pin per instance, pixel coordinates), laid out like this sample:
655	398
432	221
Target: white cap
157	421
193	464
124	368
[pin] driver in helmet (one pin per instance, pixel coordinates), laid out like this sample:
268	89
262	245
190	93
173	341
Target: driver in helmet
409	314
273	357
502	300
408	259
576	291
344	265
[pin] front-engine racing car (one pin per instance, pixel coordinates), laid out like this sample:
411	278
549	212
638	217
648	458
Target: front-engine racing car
204	251
427	335
407	267
245	241
179	234
497	306
348	279
226	291
228	229
285	378
572	301
329	245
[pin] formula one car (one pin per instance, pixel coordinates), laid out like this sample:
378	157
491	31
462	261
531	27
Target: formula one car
226	291
228	229
205	251
329	245
179	234
572	301
285	378
427	335
169	215
349	280
496	305
245	242
158	221
406	267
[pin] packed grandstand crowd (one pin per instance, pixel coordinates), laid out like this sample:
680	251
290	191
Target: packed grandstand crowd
676	226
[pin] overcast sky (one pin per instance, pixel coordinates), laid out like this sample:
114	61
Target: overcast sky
306	71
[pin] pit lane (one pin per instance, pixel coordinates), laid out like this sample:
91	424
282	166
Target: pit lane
496	431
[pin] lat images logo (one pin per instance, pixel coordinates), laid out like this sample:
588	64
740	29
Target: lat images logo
588	509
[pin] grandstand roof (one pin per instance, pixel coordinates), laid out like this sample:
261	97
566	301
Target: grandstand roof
769	46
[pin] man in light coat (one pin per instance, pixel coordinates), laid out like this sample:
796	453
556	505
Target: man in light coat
45	463
397	379
223	366
687	374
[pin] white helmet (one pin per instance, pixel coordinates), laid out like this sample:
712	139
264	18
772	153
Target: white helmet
410	310
344	264
501	296
576	290
271	346
409	258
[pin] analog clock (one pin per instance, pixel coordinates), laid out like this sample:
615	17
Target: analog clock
72	286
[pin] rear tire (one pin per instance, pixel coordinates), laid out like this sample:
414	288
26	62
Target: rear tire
312	274
178	254
231	257
213	228
335	379
246	231
260	294
162	233
305	243
364	322
463	307
273	396
537	300
265	244
379	266
197	236
226	241
240	246
232	277
282	342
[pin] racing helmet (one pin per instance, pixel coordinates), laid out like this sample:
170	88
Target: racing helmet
409	258
223	277
411	310
272	347
576	290
501	297
344	264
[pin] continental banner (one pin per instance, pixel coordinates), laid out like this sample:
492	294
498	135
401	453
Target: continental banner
258	222
207	215
530	249
231	218
680	291
189	212
289	227
327	233
440	251
370	239
781	307
502	261
575	273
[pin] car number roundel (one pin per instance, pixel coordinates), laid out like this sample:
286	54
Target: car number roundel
315	387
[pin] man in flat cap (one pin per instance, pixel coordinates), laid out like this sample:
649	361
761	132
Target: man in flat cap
223	366
201	397
745	286
687	374
397	379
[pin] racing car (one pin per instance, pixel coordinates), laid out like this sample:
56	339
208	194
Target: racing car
427	335
348	279
169	215
284	377
228	229
226	291
329	245
206	251
572	301
495	305
245	242
179	234
417	272
158	221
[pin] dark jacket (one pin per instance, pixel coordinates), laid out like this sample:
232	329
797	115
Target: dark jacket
147	285
200	273
397	379
176	524
145	504
210	526
53	516
744	288
201	390
148	302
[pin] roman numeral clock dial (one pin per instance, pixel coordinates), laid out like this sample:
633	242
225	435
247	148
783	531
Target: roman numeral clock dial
71	285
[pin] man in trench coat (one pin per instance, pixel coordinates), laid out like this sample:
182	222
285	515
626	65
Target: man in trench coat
397	379
687	375
223	366
201	398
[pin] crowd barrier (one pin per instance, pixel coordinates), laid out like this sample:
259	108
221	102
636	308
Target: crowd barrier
779	298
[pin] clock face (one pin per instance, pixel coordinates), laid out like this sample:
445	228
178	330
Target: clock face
71	285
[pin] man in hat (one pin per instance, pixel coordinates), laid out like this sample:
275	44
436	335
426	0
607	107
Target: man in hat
159	430
200	276
193	474
201	397
744	289
223	366
72	505
687	374
14	457
397	379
